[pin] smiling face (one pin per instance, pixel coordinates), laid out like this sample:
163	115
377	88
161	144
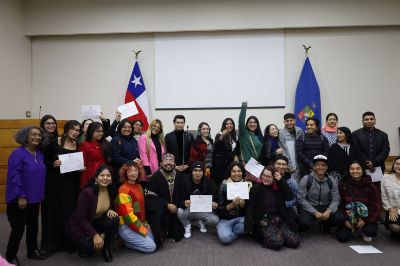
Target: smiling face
311	127
137	127
98	134
229	125
168	164
126	129
74	132
50	126
331	121
205	131
236	174
320	168
396	167
341	137
132	174
155	128
281	166
34	137
273	131
104	179
289	123
356	171
252	125
267	178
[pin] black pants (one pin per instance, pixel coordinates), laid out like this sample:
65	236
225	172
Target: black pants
344	234
103	224
306	219
18	219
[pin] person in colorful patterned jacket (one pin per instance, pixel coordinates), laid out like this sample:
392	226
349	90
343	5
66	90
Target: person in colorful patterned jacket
134	230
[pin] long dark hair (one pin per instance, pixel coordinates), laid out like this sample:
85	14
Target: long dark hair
230	167
266	132
317	124
105	145
257	132
121	125
395	159
67	127
233	132
42	122
92	182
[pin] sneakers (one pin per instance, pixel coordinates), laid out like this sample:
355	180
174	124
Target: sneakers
188	231
202	227
367	239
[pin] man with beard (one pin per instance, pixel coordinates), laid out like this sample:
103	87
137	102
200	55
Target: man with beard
162	202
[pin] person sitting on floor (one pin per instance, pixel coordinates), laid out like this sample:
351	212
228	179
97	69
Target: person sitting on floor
267	218
196	184
319	197
134	230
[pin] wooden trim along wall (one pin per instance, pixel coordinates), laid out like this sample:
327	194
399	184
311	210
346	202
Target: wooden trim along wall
8	128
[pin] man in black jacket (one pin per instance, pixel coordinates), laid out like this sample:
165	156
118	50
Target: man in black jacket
179	142
372	143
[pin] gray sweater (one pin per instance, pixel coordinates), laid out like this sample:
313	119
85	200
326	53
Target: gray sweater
319	194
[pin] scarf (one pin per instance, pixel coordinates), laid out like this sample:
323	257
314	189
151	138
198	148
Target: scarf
327	128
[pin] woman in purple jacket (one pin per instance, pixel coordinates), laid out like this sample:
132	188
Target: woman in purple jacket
94	224
25	191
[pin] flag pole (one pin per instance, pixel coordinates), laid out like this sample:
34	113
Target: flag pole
307	49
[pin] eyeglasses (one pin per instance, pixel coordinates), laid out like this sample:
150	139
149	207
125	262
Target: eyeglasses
99	131
281	164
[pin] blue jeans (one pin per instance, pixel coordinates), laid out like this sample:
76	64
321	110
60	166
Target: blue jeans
134	240
229	230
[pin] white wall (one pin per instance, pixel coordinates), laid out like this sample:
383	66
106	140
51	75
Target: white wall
15	62
357	70
47	17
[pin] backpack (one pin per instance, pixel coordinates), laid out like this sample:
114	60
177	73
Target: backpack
311	179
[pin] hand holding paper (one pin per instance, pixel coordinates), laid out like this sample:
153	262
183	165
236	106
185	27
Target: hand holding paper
128	110
71	162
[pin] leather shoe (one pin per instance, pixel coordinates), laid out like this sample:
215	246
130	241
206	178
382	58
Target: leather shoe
36	255
14	261
107	256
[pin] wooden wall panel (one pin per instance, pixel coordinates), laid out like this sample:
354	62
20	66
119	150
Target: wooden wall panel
3	175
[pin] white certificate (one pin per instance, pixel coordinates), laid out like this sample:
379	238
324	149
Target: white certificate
128	110
377	175
237	189
365	249
71	162
91	112
200	203
254	167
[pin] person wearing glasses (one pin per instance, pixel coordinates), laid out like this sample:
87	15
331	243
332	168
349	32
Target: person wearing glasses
96	151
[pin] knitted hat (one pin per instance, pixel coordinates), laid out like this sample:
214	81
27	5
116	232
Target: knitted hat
167	155
197	164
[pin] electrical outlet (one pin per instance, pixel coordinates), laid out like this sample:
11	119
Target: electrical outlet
28	114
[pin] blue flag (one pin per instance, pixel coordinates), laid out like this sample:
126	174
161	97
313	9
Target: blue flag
308	100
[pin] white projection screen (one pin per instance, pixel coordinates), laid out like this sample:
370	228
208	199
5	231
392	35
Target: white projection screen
211	70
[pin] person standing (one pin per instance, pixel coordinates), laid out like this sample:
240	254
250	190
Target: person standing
179	142
24	192
287	138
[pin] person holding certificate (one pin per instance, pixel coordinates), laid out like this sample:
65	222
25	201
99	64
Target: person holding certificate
196	184
231	212
61	192
267	218
96	151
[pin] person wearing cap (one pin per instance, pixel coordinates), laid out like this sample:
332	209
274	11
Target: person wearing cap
195	184
161	201
231	212
319	197
287	138
280	164
340	154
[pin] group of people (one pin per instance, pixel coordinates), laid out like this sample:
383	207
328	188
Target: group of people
138	186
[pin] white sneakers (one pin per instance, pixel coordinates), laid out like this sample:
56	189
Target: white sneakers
367	239
188	231
202	227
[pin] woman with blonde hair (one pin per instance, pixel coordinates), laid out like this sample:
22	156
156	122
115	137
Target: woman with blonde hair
152	147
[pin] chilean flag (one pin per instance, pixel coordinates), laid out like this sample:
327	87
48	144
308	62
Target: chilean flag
136	92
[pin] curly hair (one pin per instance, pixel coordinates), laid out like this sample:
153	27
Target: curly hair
123	171
22	136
